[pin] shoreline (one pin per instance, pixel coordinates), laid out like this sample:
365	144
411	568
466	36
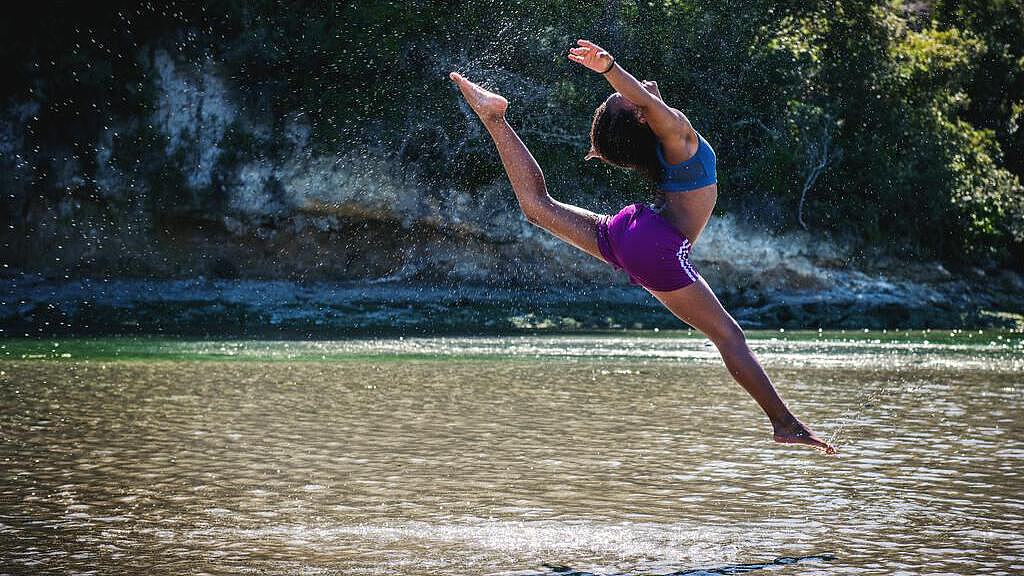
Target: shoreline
33	306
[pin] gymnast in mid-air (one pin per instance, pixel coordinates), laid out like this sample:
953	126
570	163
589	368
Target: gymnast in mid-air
635	129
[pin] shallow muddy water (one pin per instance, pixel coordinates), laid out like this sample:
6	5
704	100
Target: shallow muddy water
520	455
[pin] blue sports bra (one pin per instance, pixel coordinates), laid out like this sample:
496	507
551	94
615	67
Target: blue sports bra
697	172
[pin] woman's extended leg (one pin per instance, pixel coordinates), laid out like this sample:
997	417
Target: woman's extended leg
573	224
698	306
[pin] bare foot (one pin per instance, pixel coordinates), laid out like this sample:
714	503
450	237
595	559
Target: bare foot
487	105
797	433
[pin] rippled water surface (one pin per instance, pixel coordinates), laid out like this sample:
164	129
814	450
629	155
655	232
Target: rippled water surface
519	455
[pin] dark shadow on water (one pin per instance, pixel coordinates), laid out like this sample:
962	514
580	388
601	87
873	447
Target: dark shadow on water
556	570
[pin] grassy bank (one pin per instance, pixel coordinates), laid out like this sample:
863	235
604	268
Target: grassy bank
152	348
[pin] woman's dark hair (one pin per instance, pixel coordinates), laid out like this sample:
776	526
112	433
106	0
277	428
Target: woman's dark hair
621	139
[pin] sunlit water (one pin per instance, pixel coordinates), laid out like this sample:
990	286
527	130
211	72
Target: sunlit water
518	455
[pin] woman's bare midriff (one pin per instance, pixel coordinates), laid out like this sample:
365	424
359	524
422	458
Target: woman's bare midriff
689	212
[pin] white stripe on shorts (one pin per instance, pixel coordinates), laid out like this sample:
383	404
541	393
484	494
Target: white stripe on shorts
684	261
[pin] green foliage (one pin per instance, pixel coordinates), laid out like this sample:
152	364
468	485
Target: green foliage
989	200
894	123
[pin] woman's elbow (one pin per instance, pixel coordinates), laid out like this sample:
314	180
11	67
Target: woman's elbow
533	217
534	211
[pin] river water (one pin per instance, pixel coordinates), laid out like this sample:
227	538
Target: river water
611	454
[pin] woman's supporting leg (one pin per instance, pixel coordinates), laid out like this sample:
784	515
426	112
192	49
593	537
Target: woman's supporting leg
573	224
698	306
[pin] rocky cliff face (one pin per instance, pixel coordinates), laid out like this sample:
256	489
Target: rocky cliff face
201	187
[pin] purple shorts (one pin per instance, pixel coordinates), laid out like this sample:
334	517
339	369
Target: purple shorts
641	242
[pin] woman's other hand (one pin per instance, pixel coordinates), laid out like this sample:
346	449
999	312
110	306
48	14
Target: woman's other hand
652	87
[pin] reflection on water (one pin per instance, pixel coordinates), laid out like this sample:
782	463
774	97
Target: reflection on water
597	455
730	569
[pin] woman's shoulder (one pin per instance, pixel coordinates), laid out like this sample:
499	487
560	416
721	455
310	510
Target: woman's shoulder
685	127
678	150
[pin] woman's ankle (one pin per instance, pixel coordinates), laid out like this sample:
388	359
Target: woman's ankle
787	423
496	120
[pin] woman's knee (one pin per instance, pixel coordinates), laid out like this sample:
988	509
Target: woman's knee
729	335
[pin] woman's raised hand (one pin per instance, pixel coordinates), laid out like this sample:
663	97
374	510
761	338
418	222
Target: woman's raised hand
591	55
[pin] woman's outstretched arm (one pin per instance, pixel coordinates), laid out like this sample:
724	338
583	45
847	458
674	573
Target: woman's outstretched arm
666	122
573	224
